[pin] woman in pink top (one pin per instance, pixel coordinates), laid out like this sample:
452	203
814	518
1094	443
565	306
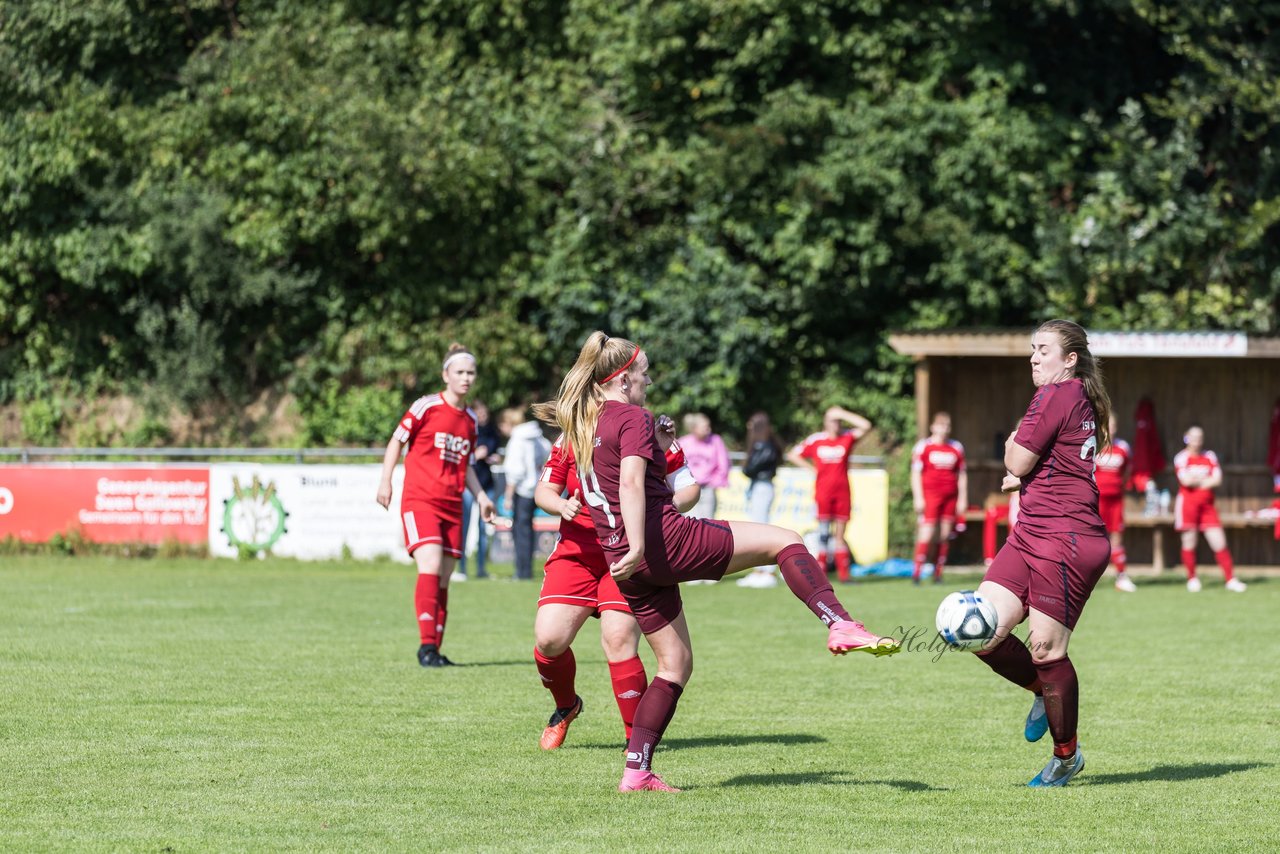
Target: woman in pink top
708	459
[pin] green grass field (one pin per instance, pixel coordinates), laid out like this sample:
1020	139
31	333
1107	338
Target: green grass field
214	705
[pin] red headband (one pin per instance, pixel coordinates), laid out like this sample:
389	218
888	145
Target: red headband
624	367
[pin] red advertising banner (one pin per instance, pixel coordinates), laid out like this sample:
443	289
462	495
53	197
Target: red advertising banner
105	504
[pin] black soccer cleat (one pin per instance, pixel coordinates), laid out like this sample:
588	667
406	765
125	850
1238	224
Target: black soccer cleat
429	656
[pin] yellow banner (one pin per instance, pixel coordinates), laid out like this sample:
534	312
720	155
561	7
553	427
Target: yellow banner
793	507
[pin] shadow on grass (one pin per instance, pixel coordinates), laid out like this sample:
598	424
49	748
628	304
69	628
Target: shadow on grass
1171	773
518	663
720	741
826	778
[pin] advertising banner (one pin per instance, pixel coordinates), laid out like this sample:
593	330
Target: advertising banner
793	507
303	511
105	504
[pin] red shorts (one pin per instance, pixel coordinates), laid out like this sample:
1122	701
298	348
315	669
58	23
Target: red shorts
1195	514
428	524
1111	509
677	548
834	506
1053	573
939	506
576	578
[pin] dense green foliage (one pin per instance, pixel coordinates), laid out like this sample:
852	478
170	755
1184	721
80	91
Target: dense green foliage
203	200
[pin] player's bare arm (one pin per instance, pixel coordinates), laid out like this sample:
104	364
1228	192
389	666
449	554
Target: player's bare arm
389	460
487	509
859	425
631	497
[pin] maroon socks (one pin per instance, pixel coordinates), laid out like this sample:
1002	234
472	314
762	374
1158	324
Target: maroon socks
1061	703
808	581
653	713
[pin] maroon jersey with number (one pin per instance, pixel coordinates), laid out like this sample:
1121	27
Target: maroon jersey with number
1059	494
440	439
623	431
1112	466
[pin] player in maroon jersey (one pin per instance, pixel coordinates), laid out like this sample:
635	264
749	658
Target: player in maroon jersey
1111	471
1055	555
1198	476
577	585
651	547
440	432
827	453
939	485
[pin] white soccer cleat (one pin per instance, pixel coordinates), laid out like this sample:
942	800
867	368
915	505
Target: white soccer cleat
1125	584
1193	585
758	579
1235	585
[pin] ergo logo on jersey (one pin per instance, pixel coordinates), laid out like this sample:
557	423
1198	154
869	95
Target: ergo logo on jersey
453	448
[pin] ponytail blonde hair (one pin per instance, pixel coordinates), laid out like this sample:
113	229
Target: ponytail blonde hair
1088	368
577	409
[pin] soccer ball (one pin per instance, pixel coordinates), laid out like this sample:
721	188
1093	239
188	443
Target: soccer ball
966	621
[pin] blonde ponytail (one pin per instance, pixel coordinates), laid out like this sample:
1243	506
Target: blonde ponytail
577	408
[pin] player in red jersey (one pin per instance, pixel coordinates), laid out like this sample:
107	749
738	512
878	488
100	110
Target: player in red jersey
1058	550
939	485
651	547
827	453
577	585
440	433
1111	472
1198	475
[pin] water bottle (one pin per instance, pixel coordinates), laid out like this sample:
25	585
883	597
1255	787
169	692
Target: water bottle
1153	499
1164	502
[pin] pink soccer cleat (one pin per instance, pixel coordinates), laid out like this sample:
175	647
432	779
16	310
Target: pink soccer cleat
643	781
852	636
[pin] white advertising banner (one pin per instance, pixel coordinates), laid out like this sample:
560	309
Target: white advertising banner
1169	344
303	511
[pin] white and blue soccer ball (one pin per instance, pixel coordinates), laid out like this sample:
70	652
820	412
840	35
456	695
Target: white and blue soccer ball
966	621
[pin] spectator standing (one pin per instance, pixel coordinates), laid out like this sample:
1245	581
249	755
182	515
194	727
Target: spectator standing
764	453
526	453
483	456
708	459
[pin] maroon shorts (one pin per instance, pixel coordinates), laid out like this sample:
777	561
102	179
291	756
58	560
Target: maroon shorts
1195	514
427	524
1111	509
834	506
1053	573
677	548
572	577
939	506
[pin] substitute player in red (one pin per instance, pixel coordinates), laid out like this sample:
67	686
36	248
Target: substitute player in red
1056	553
1198	476
827	453
652	548
1111	472
440	433
939	485
577	585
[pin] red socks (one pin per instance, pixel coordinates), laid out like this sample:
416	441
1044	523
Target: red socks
943	547
842	565
1012	660
654	712
1189	561
442	614
1061	703
1119	558
425	599
557	675
1224	560
808	581
629	683
922	557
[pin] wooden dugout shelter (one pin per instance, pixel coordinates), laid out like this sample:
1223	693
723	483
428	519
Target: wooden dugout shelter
1226	383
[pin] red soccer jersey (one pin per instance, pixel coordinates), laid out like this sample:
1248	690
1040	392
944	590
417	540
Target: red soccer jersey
1203	464
623	431
830	456
1059	495
440	439
939	465
1111	467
